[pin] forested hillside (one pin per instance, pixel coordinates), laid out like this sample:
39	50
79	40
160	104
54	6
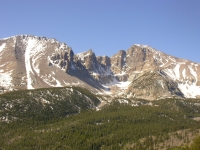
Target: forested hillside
45	104
165	124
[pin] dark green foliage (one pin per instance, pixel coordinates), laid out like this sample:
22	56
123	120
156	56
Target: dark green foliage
116	126
45	104
88	94
194	146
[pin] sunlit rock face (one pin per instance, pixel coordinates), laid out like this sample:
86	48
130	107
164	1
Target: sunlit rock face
31	62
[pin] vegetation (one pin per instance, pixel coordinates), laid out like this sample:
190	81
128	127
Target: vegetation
45	104
194	146
71	125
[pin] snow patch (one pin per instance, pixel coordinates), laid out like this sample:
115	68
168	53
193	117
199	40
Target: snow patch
123	101
173	73
33	52
83	55
193	72
4	64
58	84
170	73
161	83
2	46
176	71
78	83
5	78
140	45
189	91
184	74
118	84
49	79
30	46
66	83
121	74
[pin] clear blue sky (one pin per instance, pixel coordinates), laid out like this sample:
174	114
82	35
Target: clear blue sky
107	26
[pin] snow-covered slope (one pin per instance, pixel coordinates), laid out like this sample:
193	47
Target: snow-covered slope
31	62
186	74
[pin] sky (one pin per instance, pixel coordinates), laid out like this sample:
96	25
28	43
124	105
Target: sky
107	26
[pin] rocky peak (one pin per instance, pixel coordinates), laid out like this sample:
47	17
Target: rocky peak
84	55
104	60
88	59
141	53
118	61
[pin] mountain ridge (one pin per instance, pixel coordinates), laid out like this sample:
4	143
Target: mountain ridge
31	62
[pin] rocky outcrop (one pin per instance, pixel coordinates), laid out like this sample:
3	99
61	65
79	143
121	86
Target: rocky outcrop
118	62
63	57
153	85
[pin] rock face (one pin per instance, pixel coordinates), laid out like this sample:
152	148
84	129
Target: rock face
30	62
153	85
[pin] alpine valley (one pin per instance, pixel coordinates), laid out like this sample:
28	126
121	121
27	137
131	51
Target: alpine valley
31	62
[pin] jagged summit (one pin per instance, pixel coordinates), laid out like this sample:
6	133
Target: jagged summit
31	62
85	54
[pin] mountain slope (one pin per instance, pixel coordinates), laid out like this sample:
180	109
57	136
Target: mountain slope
45	104
31	62
153	85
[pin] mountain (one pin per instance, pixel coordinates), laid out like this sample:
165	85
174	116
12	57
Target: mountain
31	62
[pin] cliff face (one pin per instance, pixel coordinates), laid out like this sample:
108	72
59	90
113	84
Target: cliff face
30	62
